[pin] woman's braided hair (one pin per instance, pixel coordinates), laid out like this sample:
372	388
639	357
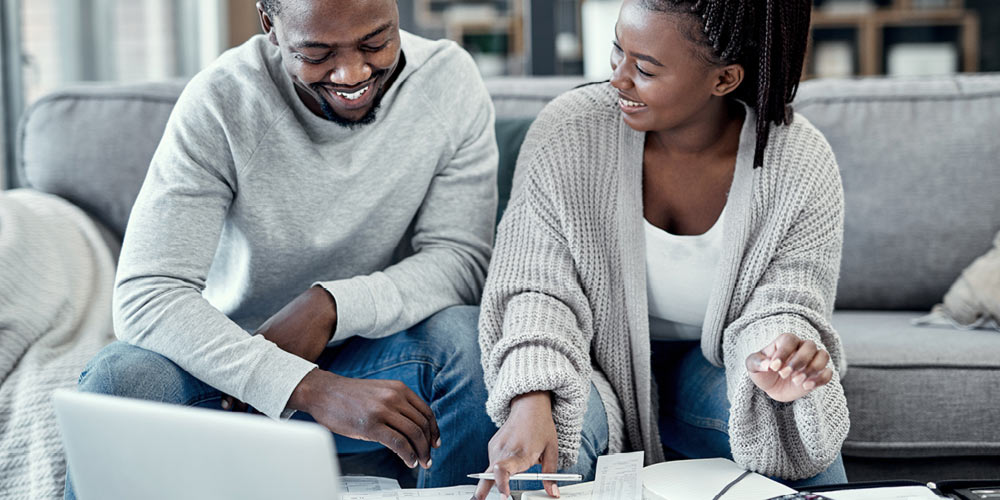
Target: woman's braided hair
767	37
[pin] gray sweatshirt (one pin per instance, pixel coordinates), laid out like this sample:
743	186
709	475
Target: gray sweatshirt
251	198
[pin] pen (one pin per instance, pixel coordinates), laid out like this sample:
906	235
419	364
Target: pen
532	477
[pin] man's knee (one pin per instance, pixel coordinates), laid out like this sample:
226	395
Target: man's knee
121	369
456	328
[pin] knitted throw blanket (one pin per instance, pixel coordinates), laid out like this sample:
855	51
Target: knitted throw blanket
566	290
56	279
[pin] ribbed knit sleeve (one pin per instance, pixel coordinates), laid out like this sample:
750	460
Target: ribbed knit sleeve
535	322
794	295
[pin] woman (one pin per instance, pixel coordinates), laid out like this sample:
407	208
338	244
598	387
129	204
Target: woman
680	205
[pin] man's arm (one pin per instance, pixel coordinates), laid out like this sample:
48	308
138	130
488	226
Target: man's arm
453	232
169	246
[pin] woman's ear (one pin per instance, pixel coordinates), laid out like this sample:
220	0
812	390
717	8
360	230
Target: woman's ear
266	24
728	79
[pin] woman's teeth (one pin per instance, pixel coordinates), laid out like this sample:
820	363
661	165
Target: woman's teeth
630	104
354	95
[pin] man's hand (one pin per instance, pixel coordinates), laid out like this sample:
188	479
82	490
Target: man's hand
303	327
385	411
789	368
528	437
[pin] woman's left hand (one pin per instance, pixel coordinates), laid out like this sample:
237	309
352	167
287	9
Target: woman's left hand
789	368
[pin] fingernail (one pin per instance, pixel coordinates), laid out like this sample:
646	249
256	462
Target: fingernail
555	489
798	379
809	385
430	462
785	372
775	364
225	404
437	444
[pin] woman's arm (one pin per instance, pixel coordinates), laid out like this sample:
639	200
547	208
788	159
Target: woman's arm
535	324
794	296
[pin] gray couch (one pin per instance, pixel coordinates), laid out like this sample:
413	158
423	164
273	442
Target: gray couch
920	161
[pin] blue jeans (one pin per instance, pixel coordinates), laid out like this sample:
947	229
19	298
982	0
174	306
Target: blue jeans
438	359
694	409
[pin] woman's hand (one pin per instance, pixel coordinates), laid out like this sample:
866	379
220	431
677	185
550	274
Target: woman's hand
789	368
528	437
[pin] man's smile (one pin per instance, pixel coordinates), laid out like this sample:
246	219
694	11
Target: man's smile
350	100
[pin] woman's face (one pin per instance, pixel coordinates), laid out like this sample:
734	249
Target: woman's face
662	77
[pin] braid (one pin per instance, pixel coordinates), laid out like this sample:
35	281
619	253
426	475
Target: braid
764	103
767	37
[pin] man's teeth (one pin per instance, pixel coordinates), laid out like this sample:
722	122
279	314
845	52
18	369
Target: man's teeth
353	96
631	104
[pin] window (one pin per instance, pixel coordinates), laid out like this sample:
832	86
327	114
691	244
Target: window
51	44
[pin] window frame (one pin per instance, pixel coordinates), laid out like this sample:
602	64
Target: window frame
11	90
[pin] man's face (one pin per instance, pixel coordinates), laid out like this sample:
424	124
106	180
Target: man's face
341	54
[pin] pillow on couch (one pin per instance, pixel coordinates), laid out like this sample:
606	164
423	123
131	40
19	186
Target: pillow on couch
973	301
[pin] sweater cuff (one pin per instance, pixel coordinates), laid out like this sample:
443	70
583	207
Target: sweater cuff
817	423
530	368
356	312
271	382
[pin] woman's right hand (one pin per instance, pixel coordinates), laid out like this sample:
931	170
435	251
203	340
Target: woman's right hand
528	437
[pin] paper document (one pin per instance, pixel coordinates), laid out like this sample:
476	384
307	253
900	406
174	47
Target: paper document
705	478
450	493
892	493
582	491
365	484
617	476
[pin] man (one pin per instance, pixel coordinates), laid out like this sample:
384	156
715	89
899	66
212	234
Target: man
325	185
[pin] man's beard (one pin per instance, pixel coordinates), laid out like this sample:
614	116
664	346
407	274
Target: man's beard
367	119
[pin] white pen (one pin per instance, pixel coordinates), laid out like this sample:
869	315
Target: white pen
531	477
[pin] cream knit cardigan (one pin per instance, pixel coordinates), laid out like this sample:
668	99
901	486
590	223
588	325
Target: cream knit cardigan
566	291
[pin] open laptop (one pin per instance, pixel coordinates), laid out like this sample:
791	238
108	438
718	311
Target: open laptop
125	448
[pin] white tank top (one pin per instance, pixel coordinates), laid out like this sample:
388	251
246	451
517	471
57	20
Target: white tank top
680	273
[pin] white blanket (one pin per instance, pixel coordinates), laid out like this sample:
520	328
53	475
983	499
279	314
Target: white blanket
56	278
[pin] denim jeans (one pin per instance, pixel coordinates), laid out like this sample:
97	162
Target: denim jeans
438	359
694	409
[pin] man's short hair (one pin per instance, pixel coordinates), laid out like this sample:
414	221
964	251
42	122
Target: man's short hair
271	7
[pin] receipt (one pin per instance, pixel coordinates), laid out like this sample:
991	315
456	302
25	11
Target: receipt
367	484
617	477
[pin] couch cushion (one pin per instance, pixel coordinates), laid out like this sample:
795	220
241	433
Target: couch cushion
520	97
510	135
920	162
92	145
919	391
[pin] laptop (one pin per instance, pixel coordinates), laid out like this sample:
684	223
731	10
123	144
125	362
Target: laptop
126	448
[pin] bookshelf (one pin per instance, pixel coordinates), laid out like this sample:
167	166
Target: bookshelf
869	36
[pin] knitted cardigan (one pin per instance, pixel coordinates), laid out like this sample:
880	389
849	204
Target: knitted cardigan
566	291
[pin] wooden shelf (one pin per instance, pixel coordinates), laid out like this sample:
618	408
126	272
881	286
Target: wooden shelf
870	29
